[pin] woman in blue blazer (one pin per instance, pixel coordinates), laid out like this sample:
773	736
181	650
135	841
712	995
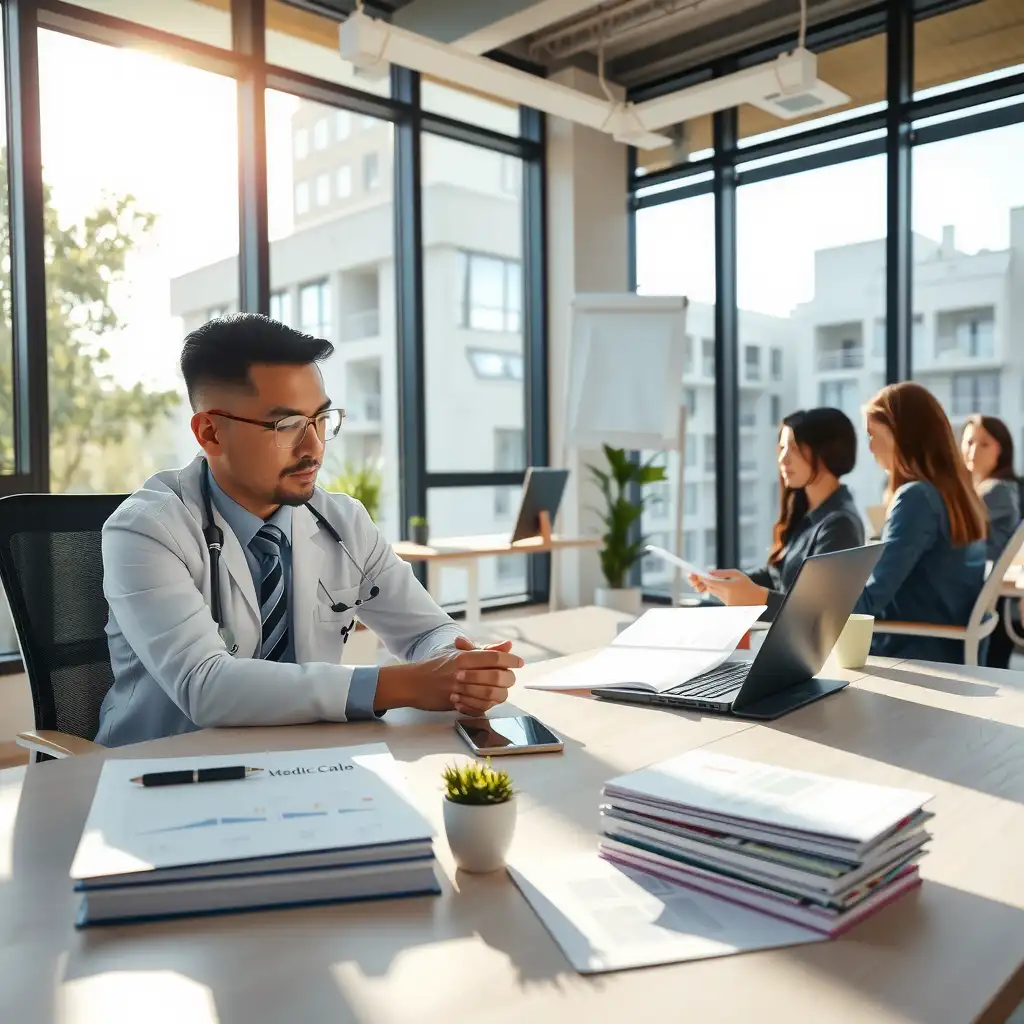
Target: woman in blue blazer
933	565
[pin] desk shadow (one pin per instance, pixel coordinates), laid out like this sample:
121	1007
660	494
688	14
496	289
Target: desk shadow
940	684
930	741
938	954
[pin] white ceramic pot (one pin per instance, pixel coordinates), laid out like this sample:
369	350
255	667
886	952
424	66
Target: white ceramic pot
624	599
479	834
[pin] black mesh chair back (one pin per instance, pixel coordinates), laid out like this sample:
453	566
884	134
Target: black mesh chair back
52	571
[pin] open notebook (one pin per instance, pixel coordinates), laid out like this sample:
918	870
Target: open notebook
663	648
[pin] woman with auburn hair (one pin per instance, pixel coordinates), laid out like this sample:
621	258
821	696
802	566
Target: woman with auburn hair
933	565
817	513
987	447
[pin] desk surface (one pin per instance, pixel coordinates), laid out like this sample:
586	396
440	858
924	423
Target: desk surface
942	954
459	548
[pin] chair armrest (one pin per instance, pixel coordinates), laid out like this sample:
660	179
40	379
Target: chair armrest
921	629
56	744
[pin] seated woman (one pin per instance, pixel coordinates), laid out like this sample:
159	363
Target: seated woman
817	513
933	565
987	447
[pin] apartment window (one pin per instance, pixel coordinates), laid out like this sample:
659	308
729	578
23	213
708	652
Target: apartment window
691	450
970	332
371	171
302	197
748	454
710	548
315	309
752	362
709	357
709	453
343	181
776	364
281	307
776	410
689	499
511	175
749	547
342	125
840	394
975	392
323	190
690	401
509	454
509	568
748	411
321	133
492	365
301	143
490	293
690	545
658	499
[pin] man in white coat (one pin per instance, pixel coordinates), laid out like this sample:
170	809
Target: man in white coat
233	583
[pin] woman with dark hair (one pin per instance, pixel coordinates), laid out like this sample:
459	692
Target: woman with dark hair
987	448
933	565
816	512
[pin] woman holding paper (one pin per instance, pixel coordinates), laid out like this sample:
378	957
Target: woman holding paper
933	565
817	513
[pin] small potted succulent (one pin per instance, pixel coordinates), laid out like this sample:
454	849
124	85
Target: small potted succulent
418	530
479	815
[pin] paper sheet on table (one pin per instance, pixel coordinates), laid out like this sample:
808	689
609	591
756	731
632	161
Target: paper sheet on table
692	629
608	918
663	648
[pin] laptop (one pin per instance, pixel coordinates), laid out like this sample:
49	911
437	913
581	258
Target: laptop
784	673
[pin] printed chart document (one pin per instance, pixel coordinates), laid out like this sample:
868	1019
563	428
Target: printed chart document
609	918
663	648
304	801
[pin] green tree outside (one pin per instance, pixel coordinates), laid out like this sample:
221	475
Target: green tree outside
98	427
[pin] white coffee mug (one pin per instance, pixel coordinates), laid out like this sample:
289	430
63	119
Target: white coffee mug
854	643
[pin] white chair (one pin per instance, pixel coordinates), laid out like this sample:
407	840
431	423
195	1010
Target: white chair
983	616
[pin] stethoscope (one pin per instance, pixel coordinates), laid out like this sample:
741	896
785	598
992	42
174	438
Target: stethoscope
214	537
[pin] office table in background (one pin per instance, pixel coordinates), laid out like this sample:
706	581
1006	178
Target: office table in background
950	952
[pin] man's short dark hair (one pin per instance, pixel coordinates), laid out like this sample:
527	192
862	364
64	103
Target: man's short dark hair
224	350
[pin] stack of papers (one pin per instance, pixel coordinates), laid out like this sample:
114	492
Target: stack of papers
313	826
665	647
820	852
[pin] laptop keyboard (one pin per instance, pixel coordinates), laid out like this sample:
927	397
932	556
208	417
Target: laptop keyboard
719	681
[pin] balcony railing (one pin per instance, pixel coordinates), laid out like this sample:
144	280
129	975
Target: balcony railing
841	359
365	324
365	409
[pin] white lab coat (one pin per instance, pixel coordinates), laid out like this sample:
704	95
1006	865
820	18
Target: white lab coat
173	671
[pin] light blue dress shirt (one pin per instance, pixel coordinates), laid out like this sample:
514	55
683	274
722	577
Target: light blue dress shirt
244	525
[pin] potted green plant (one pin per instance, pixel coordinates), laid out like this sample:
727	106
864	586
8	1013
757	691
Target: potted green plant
479	815
623	544
418	530
363	482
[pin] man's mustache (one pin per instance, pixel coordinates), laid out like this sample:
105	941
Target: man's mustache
301	467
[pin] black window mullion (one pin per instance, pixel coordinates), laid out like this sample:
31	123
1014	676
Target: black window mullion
31	421
726	340
408	224
248	35
899	279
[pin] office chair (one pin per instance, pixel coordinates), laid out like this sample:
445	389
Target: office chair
51	567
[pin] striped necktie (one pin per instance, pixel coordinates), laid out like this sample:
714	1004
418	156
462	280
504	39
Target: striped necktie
266	545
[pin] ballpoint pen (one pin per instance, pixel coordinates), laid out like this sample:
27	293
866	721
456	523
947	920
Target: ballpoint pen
191	775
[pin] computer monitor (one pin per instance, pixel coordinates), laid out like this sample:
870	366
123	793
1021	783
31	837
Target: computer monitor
542	492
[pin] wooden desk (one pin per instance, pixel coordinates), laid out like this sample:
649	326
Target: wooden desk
464	553
478	955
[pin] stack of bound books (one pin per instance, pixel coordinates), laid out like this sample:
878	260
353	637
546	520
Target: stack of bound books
301	826
821	852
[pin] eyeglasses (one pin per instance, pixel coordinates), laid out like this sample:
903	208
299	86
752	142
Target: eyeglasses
290	430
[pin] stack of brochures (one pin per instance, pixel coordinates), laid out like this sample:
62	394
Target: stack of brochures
311	826
820	852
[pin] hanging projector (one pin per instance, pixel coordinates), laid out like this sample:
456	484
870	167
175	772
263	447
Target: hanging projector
786	87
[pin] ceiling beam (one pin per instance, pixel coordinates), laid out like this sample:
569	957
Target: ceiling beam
477	26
